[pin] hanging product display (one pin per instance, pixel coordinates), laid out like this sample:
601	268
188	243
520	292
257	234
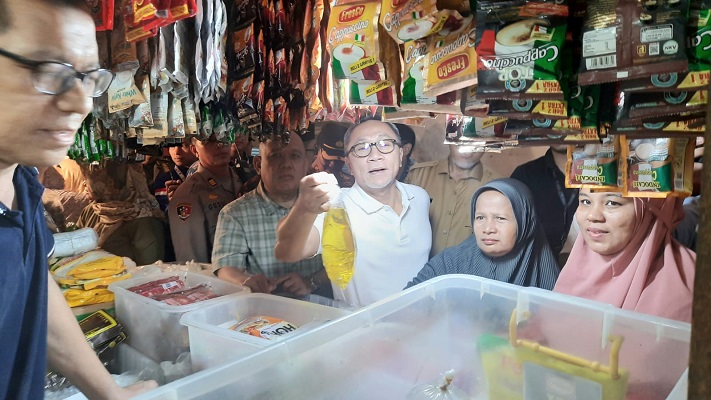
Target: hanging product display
450	63
410	20
627	39
353	42
522	72
520	49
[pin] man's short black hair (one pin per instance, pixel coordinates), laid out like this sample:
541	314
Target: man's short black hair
6	18
407	135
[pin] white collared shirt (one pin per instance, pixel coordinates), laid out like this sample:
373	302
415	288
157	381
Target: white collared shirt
390	248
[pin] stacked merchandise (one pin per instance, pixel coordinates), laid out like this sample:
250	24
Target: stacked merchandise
172	291
505	73
84	278
275	65
658	95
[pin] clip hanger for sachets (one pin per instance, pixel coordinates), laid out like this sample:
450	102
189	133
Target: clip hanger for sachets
606	382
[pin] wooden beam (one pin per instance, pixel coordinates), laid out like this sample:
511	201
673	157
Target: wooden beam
700	355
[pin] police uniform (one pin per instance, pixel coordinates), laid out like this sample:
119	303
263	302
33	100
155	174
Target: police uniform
330	144
193	213
450	201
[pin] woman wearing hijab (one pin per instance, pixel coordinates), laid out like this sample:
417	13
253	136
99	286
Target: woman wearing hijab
627	256
507	243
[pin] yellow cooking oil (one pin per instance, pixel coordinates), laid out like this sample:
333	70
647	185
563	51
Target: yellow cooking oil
338	251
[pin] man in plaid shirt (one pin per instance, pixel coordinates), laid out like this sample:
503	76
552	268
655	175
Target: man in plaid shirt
246	228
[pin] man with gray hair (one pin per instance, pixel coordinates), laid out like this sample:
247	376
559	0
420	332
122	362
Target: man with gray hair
388	219
49	73
246	228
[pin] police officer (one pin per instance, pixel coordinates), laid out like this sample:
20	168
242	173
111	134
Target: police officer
331	154
196	204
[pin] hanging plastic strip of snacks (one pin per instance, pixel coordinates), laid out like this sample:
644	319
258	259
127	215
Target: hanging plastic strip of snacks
123	92
141	115
103	13
191	127
520	48
159	111
594	165
629	39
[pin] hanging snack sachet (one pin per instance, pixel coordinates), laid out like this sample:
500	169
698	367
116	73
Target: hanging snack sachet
520	49
698	52
629	39
648	167
594	165
529	109
409	20
381	93
353	42
643	105
413	97
450	63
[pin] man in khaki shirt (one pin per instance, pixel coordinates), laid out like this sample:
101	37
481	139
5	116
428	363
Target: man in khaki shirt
451	183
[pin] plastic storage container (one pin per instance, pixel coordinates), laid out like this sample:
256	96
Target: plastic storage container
212	345
154	327
385	350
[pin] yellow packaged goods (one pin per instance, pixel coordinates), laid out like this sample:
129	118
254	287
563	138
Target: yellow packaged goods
102	267
88	284
353	42
594	165
409	20
76	297
60	267
656	167
451	61
263	327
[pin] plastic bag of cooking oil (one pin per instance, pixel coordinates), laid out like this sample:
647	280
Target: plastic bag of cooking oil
338	247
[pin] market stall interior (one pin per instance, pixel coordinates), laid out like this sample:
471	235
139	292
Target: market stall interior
217	102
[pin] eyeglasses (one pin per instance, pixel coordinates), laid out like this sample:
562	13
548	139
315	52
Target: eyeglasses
55	78
384	146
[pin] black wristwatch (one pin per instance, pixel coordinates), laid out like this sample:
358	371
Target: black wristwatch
315	283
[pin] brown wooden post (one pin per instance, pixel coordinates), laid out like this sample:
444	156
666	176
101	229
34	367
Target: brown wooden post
700	355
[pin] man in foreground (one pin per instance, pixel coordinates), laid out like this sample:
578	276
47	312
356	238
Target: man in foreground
48	73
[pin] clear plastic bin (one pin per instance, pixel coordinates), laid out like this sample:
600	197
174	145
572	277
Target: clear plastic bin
154	327
212	345
385	350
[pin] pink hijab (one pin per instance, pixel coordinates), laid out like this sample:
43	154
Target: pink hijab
653	274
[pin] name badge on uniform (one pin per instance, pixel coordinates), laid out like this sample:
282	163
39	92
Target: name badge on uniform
212	182
184	210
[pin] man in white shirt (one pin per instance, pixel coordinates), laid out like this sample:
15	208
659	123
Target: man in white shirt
389	220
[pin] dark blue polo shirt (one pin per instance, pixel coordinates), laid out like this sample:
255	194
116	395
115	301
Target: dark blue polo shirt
26	242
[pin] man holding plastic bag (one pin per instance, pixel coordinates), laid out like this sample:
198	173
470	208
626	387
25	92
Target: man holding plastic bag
375	234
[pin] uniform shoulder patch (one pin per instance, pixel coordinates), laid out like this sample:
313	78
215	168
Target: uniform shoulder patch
184	210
